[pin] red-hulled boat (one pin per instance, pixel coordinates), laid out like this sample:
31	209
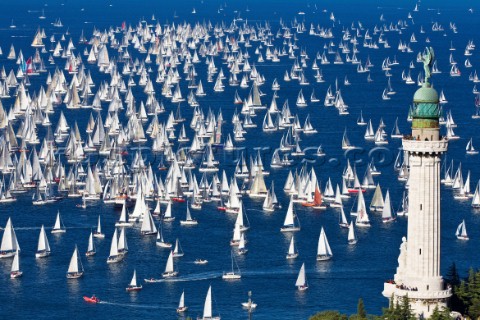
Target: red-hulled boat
91	299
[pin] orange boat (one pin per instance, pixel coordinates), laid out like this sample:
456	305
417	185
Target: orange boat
91	299
317	200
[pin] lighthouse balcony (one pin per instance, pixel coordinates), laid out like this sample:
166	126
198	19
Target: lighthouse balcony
424	146
390	288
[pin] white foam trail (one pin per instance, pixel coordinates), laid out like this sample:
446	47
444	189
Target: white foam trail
192	277
132	305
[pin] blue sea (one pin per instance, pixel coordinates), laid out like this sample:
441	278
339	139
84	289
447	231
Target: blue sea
354	272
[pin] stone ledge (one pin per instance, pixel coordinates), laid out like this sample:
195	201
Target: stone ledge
425	146
390	289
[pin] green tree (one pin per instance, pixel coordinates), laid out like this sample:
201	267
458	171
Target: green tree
361	313
452	276
438	314
405	310
329	315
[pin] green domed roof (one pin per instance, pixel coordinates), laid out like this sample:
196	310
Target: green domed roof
425	94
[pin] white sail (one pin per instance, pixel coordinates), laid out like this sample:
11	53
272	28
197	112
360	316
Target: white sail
241	244
290	216
387	208
181	303
169	267
207	308
58	227
323	249
75	266
99	226
91	245
114	245
122	242
301	279
291	248
133	282
43	244
9	240
16	263
461	232
148	225
351	233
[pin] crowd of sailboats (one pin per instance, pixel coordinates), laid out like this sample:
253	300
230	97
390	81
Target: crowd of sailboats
144	89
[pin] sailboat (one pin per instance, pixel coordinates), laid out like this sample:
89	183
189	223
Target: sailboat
316	202
301	282
249	305
292	251
396	134
114	256
352	238
15	271
323	250
59	227
361	213
461	232
177	252
476	197
9	244
75	268
387	214
160	241
377	203
123	221
43	247
133	286
470	149
189	221
91	246
360	120
98	233
181	304
232	275
170	271
207	308
167	216
148	225
289	224
342	219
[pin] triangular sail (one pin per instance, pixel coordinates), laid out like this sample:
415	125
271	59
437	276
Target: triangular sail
207	308
301	279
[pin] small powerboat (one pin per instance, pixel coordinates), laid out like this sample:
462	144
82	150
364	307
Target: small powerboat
91	299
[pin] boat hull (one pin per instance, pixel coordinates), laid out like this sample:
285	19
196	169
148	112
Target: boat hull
74	275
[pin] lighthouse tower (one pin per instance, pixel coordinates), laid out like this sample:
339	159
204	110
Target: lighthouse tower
418	273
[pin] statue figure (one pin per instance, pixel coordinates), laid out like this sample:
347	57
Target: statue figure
402	258
427	57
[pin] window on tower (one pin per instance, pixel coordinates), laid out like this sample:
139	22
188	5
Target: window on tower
420	251
420	207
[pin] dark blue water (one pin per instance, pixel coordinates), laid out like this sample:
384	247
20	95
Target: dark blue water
354	272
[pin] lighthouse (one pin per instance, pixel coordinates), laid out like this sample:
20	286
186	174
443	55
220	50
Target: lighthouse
418	274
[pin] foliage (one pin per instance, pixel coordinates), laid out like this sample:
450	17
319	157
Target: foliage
467	295
400	310
329	315
361	313
440	314
452	276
